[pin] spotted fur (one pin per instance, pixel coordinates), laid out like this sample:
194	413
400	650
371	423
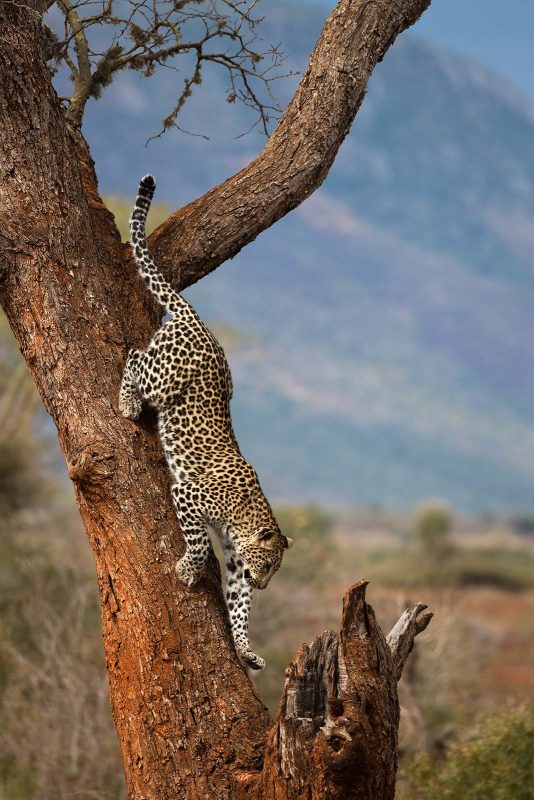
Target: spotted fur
184	374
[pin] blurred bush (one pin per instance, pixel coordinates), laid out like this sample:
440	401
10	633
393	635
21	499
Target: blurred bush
523	524
500	567
433	526
18	487
429	556
309	526
495	763
494	566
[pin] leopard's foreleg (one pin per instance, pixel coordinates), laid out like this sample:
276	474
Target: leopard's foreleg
238	600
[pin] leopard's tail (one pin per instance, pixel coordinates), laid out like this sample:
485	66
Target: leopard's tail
160	288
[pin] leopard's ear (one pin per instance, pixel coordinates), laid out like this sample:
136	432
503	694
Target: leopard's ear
288	542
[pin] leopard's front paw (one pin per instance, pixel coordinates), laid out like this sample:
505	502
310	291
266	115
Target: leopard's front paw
187	573
251	659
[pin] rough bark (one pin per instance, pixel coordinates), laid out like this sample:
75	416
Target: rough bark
188	721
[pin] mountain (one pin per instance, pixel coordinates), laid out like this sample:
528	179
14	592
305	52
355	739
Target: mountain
386	324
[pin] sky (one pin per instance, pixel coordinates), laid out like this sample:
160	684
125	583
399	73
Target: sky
497	33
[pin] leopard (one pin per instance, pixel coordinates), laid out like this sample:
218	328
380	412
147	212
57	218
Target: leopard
184	375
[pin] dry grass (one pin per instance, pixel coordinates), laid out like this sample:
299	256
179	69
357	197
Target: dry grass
57	739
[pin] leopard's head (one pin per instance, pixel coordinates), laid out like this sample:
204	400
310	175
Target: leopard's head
262	554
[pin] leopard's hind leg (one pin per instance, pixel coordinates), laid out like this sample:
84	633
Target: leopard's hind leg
187	498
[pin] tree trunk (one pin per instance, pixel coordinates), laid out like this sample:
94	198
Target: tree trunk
188	720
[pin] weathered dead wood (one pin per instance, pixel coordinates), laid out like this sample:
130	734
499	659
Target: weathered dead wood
337	720
402	636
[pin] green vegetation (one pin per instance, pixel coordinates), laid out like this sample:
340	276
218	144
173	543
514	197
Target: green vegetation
433	527
427	555
499	567
494	566
495	763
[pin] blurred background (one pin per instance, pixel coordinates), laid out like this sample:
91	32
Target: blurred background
381	342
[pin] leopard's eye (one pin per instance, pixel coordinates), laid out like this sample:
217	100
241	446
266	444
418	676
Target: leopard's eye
265	535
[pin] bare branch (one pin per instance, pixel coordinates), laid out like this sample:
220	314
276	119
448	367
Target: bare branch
82	74
402	636
143	35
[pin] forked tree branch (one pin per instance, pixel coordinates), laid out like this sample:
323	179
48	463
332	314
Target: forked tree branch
188	721
197	238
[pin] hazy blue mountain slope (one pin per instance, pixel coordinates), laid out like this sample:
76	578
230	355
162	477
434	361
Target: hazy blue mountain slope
441	151
393	362
389	319
458	172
